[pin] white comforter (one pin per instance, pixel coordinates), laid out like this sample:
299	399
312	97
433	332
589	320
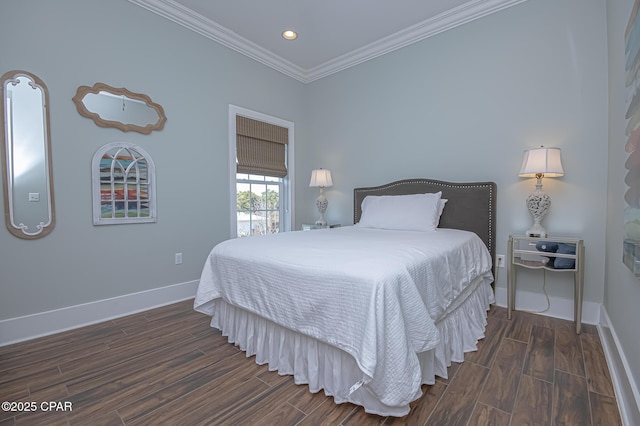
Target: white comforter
373	293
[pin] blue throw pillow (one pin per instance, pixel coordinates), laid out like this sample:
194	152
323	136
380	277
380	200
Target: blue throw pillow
547	246
563	262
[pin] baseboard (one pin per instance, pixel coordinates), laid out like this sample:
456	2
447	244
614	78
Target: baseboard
559	308
627	392
14	330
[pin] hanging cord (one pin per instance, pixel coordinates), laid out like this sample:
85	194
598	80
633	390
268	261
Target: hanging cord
544	288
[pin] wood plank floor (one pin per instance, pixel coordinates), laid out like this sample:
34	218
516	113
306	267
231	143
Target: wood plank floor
168	367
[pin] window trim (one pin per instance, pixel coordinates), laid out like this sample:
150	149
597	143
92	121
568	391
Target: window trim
288	184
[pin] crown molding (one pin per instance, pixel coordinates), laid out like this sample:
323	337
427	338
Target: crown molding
445	21
460	15
212	30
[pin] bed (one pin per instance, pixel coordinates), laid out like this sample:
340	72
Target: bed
367	313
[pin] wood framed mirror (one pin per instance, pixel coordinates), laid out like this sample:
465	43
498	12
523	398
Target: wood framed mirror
26	155
120	108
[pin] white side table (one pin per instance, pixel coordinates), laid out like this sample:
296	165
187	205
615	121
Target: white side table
522	252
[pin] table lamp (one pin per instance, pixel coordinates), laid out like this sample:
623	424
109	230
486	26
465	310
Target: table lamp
321	178
540	162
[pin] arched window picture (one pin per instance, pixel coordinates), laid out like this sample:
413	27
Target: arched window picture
123	185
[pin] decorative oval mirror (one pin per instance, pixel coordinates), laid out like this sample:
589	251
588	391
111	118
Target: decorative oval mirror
119	108
26	156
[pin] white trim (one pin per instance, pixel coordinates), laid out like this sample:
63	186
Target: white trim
460	15
450	19
288	182
212	30
627	392
14	330
233	198
560	308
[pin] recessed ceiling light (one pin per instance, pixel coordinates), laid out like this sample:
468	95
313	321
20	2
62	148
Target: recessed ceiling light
289	35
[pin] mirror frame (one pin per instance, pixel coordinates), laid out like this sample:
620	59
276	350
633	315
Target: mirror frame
101	87
43	228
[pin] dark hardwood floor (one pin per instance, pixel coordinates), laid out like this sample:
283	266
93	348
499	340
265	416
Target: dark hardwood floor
168	367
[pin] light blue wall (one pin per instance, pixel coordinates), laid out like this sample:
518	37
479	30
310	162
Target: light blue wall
463	105
622	289
459	106
69	43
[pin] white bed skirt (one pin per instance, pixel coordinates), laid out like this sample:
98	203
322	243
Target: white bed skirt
324	367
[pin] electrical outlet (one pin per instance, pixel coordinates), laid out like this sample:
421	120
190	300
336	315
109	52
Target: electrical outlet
500	259
178	258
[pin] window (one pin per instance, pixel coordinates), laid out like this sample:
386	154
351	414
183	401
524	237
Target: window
258	204
261	153
123	185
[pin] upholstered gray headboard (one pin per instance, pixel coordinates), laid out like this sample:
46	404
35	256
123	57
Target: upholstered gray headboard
471	206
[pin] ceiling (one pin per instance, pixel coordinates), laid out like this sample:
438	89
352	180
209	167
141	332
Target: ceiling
332	34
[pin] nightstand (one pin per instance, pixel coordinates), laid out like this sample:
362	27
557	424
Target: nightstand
522	252
312	226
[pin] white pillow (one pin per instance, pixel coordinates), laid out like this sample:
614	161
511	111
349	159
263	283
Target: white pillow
415	212
441	204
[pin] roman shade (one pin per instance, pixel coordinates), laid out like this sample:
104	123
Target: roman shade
261	147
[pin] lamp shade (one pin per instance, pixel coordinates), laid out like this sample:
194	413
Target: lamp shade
321	178
542	160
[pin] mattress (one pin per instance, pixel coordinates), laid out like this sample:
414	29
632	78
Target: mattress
378	298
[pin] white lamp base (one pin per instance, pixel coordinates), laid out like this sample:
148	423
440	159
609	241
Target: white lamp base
537	232
538	204
321	204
